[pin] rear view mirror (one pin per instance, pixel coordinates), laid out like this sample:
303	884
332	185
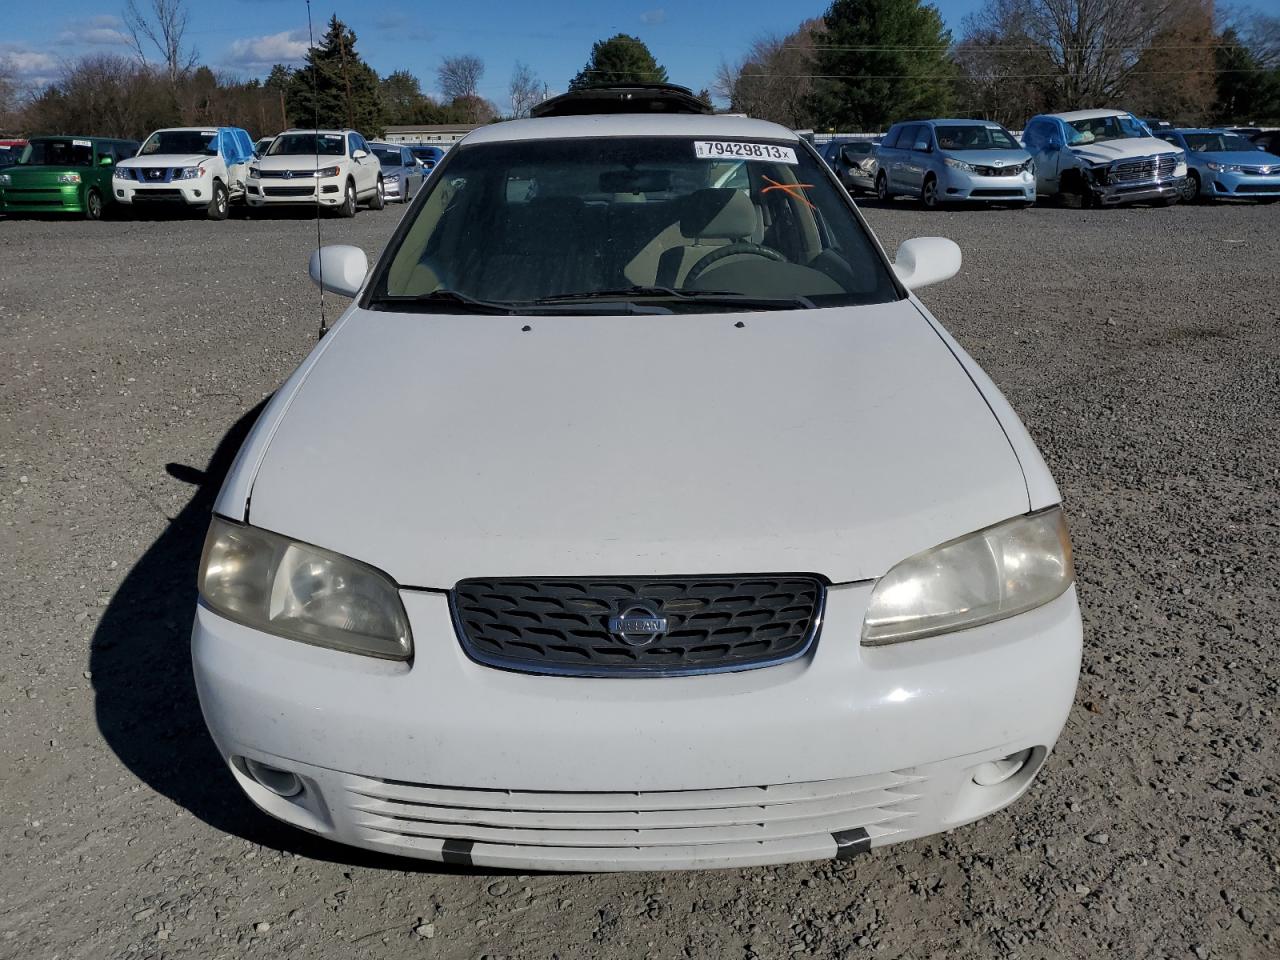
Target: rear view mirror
339	268
358	154
925	260
635	181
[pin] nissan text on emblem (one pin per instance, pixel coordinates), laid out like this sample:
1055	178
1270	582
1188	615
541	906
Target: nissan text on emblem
638	624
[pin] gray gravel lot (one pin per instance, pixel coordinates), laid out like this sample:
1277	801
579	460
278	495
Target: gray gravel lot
1141	347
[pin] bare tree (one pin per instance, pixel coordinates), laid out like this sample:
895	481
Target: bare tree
525	90
771	81
161	24
459	77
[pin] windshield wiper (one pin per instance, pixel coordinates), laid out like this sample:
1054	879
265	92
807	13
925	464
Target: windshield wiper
710	297
443	301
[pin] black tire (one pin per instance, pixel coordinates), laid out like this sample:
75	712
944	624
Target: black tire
93	204
1190	189
348	208
220	203
929	193
379	198
1075	193
882	188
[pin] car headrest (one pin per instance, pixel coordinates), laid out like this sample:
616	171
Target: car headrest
718	213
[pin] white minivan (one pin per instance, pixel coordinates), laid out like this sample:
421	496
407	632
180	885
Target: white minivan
636	515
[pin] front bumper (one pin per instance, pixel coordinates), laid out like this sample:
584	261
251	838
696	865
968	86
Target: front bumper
1134	192
194	193
958	186
278	191
64	198
1244	186
445	759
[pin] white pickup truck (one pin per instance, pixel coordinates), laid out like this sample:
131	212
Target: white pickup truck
1102	157
201	167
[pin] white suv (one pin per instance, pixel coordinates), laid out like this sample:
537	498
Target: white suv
333	167
1102	157
196	166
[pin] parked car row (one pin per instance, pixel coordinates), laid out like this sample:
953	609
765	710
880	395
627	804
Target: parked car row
208	169
1080	158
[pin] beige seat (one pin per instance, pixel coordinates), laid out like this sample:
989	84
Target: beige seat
710	219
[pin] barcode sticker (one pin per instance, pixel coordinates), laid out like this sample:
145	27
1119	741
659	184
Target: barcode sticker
82	143
733	150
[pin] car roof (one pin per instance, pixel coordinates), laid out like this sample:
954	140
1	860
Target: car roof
1087	114
628	125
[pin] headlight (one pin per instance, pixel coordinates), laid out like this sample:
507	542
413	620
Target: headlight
122	173
1029	166
5	180
1224	167
255	170
188	173
328	171
68	178
995	573
958	164
277	585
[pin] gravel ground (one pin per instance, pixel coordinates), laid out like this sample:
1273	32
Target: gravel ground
1142	348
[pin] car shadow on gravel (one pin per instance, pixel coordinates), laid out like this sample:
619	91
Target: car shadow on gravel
145	696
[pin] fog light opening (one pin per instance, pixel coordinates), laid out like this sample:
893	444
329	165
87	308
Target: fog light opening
280	782
995	772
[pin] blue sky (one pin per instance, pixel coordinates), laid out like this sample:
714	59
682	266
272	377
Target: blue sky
553	37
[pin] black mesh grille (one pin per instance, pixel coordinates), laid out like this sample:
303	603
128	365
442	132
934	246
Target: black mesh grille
666	625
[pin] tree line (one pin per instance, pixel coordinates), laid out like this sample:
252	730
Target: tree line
867	63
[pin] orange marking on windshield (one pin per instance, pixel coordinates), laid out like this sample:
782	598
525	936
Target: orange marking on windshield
790	189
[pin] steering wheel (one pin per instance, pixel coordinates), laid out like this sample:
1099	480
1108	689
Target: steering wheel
732	250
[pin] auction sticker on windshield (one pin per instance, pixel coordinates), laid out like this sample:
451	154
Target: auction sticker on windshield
731	149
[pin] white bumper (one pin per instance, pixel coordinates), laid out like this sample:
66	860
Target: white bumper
196	192
445	759
279	191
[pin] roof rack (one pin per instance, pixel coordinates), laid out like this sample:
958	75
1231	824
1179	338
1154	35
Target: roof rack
623	98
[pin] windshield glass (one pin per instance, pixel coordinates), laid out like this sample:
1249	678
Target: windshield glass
973	136
387	156
1096	129
57	153
307	144
203	142
516	223
1219	143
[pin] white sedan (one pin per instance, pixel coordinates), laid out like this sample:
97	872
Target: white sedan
628	521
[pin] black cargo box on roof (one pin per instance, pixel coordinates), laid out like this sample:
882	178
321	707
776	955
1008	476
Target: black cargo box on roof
623	98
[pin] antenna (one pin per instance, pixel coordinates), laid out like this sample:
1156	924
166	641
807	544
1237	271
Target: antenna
315	143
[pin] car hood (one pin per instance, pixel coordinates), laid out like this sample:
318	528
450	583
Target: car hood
297	161
990	158
167	160
1124	149
1245	158
835	441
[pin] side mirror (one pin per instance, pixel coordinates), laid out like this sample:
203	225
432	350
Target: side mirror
341	269
108	161
358	154
925	260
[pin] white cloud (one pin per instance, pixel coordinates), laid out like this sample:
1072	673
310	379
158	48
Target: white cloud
103	31
654	17
29	66
288	47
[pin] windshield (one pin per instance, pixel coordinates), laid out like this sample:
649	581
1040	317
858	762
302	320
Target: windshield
57	153
973	136
387	156
307	144
1219	143
203	142
693	224
1096	129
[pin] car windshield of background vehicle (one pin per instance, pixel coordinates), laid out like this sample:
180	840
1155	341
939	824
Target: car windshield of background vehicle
1219	143
678	223
57	153
972	136
388	156
182	142
1097	129
307	144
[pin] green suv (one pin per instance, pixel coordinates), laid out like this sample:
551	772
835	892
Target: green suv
63	175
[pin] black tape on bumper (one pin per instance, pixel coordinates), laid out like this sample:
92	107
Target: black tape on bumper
458	852
850	843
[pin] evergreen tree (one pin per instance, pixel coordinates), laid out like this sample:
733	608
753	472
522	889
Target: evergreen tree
620	59
336	88
881	61
1246	92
